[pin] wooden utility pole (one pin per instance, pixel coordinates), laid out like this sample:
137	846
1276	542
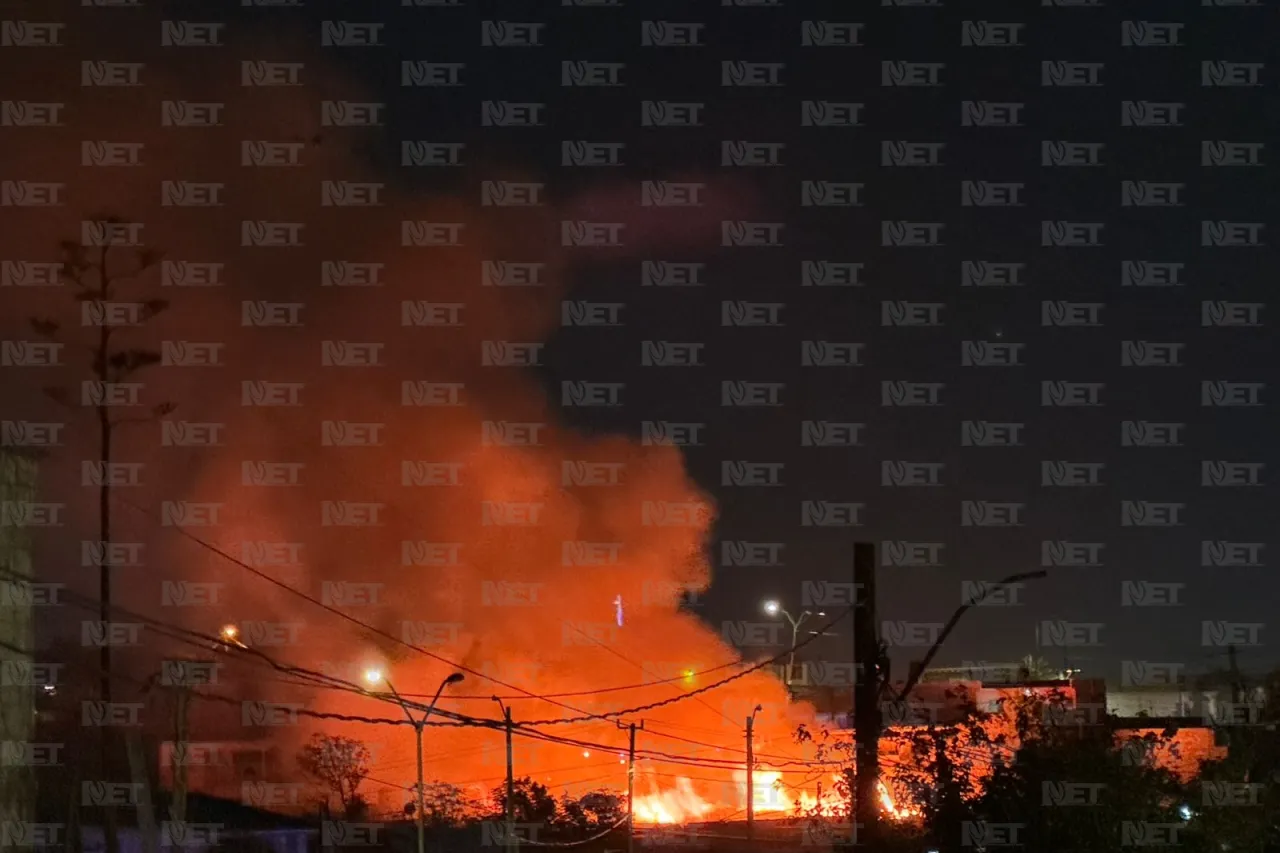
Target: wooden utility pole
511	787
866	701
631	784
177	759
18	673
1237	681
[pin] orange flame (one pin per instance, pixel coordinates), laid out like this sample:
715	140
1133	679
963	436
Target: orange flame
683	804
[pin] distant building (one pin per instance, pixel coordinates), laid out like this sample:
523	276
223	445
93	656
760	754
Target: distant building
250	772
813	683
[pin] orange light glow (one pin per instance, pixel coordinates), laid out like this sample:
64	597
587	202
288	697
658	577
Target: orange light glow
681	802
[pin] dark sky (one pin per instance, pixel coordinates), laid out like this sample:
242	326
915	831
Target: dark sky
1095	43
933	275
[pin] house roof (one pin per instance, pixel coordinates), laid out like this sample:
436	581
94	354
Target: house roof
230	814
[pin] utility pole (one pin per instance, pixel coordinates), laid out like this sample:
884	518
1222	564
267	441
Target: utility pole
866	701
182	702
17	634
1237	682
511	782
631	784
751	788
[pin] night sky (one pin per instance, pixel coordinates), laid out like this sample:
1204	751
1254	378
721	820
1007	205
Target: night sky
1162	62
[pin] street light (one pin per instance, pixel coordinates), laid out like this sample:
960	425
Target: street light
229	635
773	608
376	676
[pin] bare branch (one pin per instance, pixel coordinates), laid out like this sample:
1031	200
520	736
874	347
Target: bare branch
152	307
157	412
148	258
58	395
45	328
125	363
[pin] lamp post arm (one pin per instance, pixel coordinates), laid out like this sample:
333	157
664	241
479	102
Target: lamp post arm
955	617
434	700
400	702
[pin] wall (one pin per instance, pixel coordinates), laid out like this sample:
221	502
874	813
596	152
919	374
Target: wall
1172	702
224	769
1190	747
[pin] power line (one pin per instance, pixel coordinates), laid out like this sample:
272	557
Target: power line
337	612
642	669
700	690
462	721
218	645
734	749
585	715
329	681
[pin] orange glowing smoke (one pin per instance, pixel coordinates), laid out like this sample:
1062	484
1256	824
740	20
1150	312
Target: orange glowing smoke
447	565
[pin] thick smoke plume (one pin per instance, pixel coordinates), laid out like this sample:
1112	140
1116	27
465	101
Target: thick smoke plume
509	602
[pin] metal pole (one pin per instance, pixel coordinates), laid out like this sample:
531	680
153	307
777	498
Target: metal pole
751	790
421	819
795	639
418	726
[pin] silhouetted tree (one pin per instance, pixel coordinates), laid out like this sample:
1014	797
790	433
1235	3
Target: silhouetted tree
445	805
532	802
100	282
1071	787
592	811
338	764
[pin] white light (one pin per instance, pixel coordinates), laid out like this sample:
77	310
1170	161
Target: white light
230	632
772	607
373	676
586	754
1184	811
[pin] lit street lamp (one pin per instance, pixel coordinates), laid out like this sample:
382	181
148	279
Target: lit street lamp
376	676
773	608
229	635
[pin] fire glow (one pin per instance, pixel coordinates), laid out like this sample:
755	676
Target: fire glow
540	559
681	803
